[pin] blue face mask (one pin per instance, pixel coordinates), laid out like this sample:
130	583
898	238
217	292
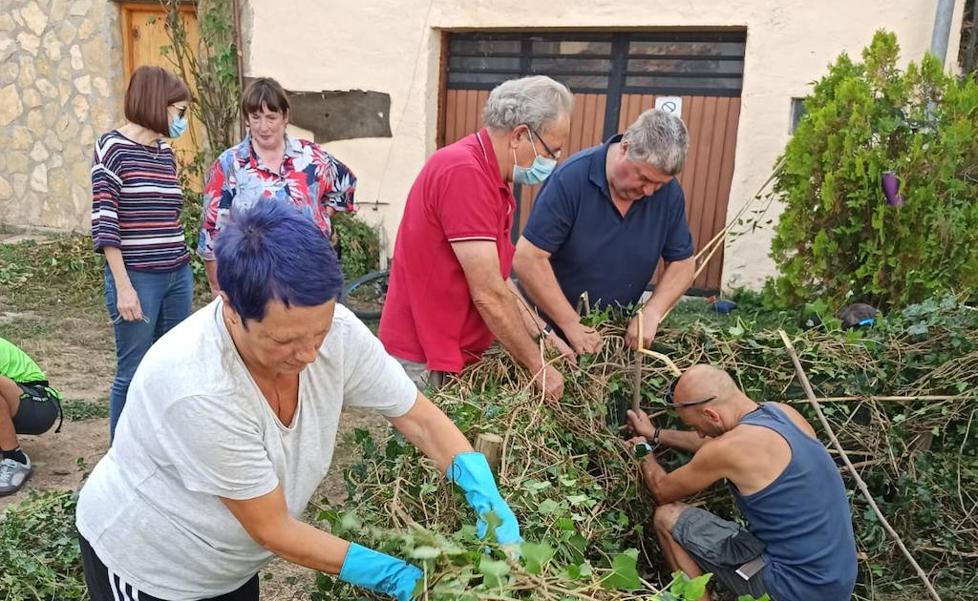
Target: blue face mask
178	126
537	172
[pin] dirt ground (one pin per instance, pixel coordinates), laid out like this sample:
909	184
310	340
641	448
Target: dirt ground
75	348
76	353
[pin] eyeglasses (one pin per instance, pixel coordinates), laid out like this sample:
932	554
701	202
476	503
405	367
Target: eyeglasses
181	110
553	155
671	393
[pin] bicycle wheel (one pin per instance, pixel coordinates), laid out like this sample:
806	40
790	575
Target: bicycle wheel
365	295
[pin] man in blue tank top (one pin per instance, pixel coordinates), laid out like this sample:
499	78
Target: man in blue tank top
799	544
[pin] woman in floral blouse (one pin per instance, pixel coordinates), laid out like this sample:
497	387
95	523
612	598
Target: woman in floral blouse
271	165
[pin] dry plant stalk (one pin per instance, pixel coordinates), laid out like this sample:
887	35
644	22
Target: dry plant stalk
541	435
803	378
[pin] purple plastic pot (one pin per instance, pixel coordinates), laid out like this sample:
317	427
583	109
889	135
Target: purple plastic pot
891	189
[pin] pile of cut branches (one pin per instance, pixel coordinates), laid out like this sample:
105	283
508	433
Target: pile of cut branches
900	396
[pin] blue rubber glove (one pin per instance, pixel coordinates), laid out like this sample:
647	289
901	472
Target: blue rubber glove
380	572
472	474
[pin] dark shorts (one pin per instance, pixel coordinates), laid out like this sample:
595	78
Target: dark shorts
103	585
422	377
720	547
38	410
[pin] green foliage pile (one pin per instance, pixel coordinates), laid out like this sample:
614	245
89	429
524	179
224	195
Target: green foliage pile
64	269
838	238
460	566
575	488
39	554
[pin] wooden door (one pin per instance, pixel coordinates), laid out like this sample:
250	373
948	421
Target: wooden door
145	42
706	178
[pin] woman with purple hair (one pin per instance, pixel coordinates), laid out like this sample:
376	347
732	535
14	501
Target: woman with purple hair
231	425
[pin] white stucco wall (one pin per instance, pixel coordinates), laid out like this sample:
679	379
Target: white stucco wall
393	46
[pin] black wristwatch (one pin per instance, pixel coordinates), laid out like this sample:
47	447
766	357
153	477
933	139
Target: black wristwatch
642	450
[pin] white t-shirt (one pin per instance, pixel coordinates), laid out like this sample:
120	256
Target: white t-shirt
196	427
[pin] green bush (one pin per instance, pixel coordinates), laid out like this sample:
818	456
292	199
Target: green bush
838	238
359	243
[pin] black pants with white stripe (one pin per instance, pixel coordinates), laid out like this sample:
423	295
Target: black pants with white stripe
103	585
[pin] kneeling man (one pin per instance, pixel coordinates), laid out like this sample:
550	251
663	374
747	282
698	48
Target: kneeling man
799	544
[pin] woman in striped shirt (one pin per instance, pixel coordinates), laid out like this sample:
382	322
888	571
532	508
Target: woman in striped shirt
136	204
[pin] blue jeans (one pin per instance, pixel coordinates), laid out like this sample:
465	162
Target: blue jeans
165	299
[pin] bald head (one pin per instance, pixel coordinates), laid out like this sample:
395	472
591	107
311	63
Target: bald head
727	405
703	381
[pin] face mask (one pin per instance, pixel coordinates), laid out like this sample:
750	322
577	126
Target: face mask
537	172
178	126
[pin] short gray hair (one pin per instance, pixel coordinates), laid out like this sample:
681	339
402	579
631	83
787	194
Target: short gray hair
536	101
659	138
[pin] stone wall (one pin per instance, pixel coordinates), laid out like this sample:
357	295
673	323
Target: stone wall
60	87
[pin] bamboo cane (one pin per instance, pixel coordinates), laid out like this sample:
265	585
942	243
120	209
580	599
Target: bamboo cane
672	366
710	248
803	378
637	376
893	399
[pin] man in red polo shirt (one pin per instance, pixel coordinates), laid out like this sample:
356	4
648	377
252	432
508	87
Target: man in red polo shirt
450	295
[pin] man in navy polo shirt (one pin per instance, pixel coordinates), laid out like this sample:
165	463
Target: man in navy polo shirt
600	225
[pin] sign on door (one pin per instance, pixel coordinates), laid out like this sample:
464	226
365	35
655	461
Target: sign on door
670	104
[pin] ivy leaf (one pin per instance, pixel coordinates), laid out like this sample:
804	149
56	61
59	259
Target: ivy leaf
348	522
577	545
624	574
689	589
331	516
547	507
577	571
535	486
424	552
535	555
492	522
494	571
918	329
